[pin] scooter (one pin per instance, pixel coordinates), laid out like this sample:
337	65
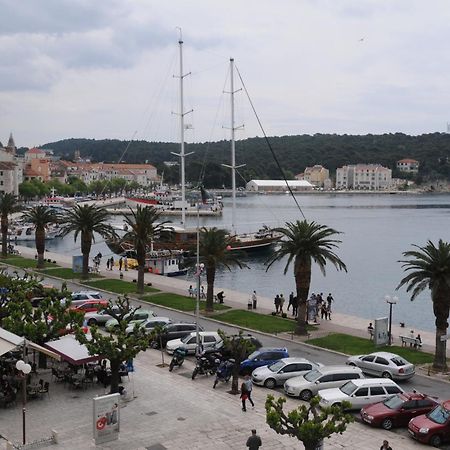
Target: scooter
224	372
177	358
206	364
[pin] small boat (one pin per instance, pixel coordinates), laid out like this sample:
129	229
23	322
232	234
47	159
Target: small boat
27	232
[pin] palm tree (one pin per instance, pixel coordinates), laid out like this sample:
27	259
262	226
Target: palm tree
306	242
87	220
40	216
215	252
143	230
429	267
8	205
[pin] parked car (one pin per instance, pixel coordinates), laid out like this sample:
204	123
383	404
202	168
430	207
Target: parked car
148	325
209	340
308	385
89	305
432	428
262	357
99	317
384	364
277	373
80	297
173	331
139	316
397	411
360	393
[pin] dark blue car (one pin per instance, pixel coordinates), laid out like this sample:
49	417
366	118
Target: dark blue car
262	357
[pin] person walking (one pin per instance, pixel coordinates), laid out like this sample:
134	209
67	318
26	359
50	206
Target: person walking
295	306
281	303
385	446
277	303
254	441
323	311
246	392
291	301
254	300
191	291
111	263
125	262
107	263
120	264
329	300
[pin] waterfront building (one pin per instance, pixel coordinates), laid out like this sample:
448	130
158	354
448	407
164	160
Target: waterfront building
408	165
278	185
36	165
316	175
11	168
372	177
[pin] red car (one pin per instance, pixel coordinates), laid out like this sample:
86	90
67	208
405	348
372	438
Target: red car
432	428
397	411
90	305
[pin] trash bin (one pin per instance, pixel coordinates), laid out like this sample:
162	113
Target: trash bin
249	303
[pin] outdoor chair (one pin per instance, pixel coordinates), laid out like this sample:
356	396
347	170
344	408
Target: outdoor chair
44	389
57	376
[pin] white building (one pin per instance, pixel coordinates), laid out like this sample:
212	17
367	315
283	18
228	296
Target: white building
11	168
278	185
372	177
408	165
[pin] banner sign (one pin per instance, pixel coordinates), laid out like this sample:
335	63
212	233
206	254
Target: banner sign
381	332
106	418
77	264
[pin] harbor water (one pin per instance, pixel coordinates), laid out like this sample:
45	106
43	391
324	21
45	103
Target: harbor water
376	229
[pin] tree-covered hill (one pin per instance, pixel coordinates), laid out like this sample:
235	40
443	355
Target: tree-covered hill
294	153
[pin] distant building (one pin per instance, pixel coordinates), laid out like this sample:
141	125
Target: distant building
316	175
11	172
37	165
372	177
278	185
408	165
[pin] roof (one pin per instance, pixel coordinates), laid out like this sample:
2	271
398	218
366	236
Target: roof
71	350
280	183
35	151
408	161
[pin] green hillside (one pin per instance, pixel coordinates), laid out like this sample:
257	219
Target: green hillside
294	153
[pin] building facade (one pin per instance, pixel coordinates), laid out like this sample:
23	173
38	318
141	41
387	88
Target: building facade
371	177
408	165
315	175
278	185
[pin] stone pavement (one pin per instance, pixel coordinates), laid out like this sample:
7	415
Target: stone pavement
170	411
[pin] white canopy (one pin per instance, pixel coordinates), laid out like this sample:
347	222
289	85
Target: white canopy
71	350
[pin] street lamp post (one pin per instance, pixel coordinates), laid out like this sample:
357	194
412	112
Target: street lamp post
199	270
391	301
25	369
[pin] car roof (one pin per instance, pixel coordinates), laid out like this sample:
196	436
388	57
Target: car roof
271	349
204	333
86	293
156	319
332	369
294	359
373	381
386	355
415	396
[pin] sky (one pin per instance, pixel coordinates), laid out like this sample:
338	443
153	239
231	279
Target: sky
105	69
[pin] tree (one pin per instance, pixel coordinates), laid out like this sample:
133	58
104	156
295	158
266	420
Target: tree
119	347
303	243
87	220
40	216
8	205
307	423
215	252
429	267
28	190
143	230
238	348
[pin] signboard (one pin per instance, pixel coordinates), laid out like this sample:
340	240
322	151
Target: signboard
381	331
77	264
444	337
106	418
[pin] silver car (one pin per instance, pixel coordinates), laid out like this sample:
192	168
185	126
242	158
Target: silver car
99	317
384	364
148	325
277	373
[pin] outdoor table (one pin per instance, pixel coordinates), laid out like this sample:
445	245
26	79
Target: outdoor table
33	390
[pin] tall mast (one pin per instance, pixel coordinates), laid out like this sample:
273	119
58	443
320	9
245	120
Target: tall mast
182	154
233	166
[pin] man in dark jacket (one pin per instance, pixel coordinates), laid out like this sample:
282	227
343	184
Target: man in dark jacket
254	441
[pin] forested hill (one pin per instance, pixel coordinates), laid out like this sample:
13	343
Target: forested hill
294	153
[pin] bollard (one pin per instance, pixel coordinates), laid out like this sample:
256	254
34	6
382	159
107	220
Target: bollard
55	436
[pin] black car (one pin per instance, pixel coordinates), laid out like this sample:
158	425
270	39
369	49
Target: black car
173	331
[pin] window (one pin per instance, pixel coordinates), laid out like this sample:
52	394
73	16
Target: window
410	405
393	390
382	361
424	403
192	340
209	339
377	390
362	392
369	358
326	379
303	367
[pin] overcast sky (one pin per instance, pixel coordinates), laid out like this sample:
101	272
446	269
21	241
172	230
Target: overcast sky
104	68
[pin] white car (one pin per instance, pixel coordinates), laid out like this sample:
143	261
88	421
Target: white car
77	298
384	364
138	316
148	325
209	340
360	393
277	373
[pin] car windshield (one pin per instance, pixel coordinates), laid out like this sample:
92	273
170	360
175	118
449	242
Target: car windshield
348	388
399	361
394	402
439	415
312	375
253	355
185	338
275	367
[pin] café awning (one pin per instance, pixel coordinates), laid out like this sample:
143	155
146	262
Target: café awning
70	350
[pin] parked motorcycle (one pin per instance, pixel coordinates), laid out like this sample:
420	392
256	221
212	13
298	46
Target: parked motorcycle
206	364
177	358
224	372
